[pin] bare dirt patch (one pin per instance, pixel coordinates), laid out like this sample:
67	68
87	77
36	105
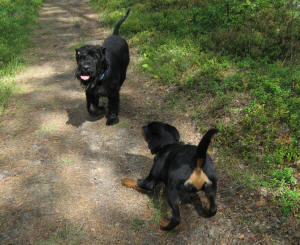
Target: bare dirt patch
61	170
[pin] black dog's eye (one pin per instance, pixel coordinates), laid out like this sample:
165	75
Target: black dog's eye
81	56
93	54
78	54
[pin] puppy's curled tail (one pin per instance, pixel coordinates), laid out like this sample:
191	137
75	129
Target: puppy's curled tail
117	27
204	143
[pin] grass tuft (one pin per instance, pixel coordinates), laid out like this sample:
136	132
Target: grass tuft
17	19
63	234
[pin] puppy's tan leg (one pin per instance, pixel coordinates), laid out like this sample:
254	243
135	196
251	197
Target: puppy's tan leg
163	224
211	207
130	183
206	204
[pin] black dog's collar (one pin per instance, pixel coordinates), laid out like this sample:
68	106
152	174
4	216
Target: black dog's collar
103	75
93	84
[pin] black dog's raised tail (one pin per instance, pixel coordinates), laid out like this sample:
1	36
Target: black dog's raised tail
117	27
204	143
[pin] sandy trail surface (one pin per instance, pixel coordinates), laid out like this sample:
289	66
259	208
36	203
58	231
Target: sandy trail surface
61	170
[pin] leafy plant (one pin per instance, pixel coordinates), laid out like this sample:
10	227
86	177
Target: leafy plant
137	224
16	22
285	176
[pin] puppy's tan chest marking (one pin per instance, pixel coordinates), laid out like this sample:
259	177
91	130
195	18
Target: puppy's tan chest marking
198	178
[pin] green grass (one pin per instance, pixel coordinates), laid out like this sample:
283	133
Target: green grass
16	21
67	160
64	234
123	124
76	45
137	224
156	204
46	130
240	56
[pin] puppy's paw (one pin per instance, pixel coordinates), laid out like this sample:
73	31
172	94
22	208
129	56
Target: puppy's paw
130	183
112	119
167	226
164	224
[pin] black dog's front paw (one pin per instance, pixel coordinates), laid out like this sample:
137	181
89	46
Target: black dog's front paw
112	119
211	212
96	111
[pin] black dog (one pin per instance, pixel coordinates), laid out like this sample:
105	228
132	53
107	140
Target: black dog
102	71
182	168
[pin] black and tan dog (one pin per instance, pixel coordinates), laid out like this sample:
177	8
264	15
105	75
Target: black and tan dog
182	168
102	71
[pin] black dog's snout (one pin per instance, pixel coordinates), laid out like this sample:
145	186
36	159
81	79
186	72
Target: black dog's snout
85	67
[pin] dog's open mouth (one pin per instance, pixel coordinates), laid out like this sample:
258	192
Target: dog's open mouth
85	77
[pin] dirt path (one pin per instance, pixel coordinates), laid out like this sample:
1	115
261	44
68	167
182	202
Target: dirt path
60	170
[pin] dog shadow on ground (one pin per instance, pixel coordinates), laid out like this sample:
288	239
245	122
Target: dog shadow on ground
78	115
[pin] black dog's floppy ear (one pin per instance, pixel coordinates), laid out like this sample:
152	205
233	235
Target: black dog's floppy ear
101	50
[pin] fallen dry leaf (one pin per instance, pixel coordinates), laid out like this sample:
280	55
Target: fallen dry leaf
261	202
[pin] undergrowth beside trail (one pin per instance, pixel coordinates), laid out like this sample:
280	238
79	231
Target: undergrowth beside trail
16	21
235	64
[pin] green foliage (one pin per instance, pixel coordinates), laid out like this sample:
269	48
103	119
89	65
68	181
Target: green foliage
240	56
5	92
137	224
64	234
285	176
289	200
255	28
283	183
156	204
16	21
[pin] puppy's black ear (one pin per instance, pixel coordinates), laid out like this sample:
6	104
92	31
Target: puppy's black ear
155	142
173	131
154	145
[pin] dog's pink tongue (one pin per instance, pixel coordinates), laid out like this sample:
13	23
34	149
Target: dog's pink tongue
85	77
